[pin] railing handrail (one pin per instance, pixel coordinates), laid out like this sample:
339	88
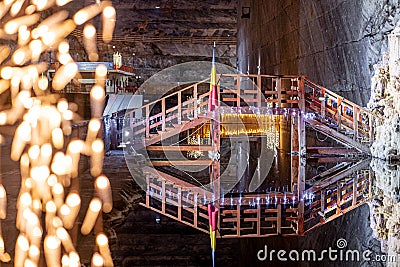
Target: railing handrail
174	93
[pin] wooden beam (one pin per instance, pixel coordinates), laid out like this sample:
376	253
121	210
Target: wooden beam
338	136
180	148
331	150
198	162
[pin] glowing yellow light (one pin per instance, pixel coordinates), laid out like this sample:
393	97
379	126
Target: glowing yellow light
62	105
109	12
34	152
89	31
76	146
68	115
81	17
62	2
97	92
97	146
63	47
94	125
101	70
73	200
71	69
48	38
6	73
23	243
11	27
65	58
43	83
46	150
19	57
52	180
97	260
30	9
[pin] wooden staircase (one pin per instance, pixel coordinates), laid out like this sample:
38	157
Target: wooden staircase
247	214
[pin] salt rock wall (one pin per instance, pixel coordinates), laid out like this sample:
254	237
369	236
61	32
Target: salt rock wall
336	43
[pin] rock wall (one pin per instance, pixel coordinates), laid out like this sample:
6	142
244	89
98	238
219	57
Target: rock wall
154	35
334	43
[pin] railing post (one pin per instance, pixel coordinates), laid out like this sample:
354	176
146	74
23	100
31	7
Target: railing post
279	219
147	120
238	218
339	112
322	199
258	219
163	196
195	201
163	114
355	122
180	107
338	198
355	185
179	203
259	90
148	191
279	89
238	93
302	153
195	101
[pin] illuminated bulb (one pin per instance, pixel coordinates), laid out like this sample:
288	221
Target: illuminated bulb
65	262
30	9
97	260
11	27
62	2
34	253
109	12
46	151
57	138
71	68
43	83
81	17
103	188
19	57
73	202
94	125
66	241
74	259
21	250
33	152
101	70
68	115
3	202
63	47
91	216
76	146
58	194
62	105
97	146
40	172
52	180
3	118
41	4
102	243
64	58
6	73
97	92
52	250
89	31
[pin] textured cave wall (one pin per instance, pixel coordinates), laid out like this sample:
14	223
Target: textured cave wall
151	39
336	43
